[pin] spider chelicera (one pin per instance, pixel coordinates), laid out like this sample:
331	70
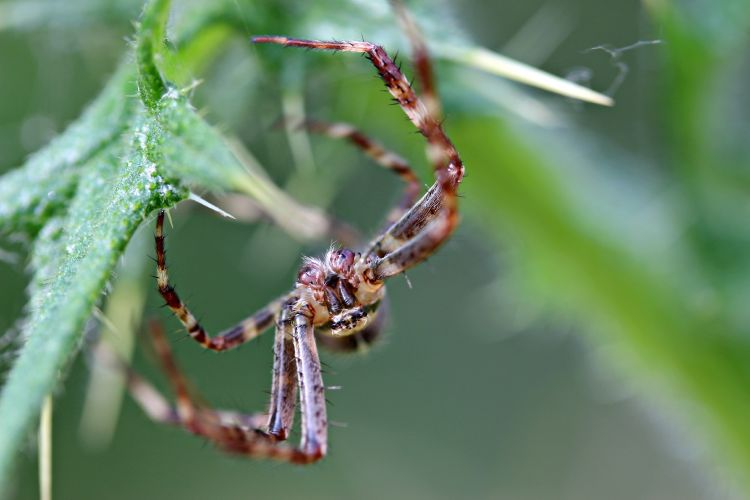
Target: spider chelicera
336	299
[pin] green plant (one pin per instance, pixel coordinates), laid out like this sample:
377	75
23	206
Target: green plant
675	311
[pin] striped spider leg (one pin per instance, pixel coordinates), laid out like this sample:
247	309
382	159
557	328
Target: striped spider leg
241	433
338	300
296	365
377	153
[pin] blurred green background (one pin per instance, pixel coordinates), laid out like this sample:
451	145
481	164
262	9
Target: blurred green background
527	360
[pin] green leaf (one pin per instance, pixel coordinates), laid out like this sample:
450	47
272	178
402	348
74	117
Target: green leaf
113	197
24	15
81	198
638	303
44	185
149	48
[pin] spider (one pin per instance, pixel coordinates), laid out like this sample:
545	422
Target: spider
336	300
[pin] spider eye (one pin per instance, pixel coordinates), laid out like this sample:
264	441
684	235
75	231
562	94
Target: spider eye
341	261
310	274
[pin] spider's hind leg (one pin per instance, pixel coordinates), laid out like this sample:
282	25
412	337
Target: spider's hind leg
242	332
245	433
379	155
284	385
189	411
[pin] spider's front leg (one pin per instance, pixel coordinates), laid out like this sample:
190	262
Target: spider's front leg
433	230
432	219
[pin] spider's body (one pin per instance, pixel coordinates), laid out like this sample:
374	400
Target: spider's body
338	300
337	289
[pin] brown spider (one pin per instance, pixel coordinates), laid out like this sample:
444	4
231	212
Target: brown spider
336	299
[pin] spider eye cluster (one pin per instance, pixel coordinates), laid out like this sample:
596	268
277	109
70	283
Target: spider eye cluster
341	261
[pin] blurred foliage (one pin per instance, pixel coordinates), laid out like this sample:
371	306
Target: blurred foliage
82	198
647	253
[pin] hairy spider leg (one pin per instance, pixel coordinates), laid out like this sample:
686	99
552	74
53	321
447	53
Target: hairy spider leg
314	426
410	223
314	443
188	412
441	151
156	406
243	433
284	384
435	232
242	332
428	223
379	155
421	59
433	218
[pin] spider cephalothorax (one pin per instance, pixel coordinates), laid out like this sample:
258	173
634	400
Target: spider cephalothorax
343	300
337	301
